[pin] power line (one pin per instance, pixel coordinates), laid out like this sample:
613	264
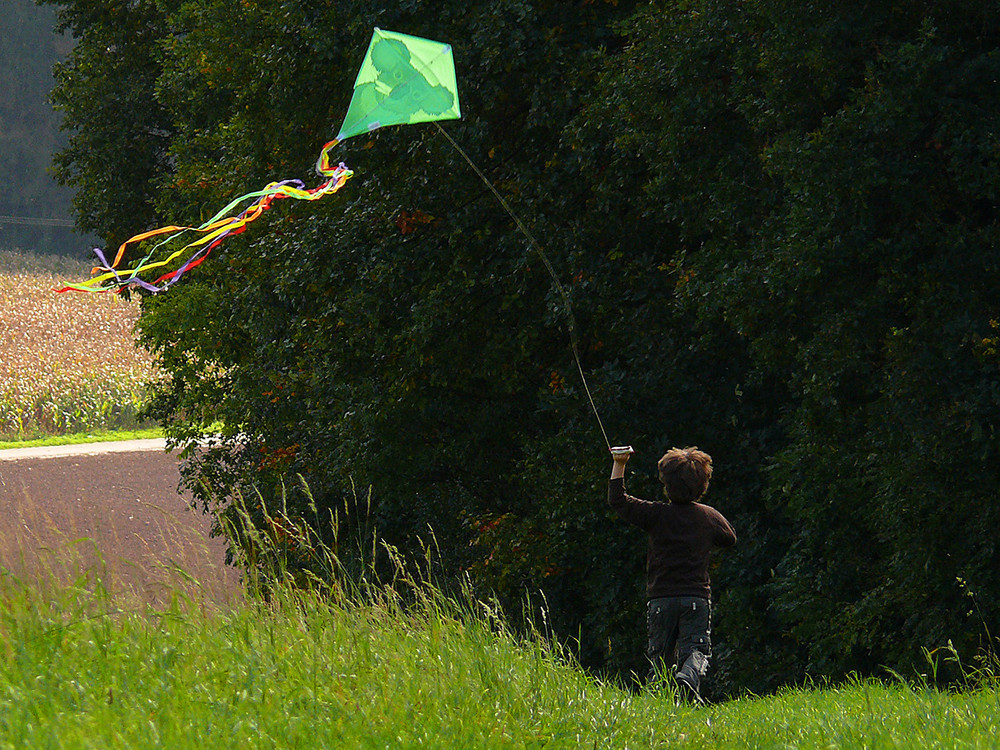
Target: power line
35	221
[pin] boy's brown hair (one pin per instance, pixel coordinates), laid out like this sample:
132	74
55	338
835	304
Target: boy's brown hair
685	473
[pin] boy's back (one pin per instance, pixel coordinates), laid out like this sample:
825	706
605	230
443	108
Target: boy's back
681	538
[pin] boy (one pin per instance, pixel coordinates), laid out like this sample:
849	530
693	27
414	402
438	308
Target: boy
682	534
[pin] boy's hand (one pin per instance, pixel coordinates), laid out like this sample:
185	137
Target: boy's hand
622	453
621	456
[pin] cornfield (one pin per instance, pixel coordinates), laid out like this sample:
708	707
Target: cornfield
68	362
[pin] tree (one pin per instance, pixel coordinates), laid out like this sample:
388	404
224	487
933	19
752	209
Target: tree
401	336
826	177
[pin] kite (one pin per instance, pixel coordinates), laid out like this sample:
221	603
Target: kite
403	80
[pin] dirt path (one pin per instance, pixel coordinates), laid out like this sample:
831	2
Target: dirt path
113	510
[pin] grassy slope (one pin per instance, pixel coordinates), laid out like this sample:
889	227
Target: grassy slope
76	671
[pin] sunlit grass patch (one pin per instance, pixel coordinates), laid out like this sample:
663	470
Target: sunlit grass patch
68	363
297	671
91	436
80	669
871	714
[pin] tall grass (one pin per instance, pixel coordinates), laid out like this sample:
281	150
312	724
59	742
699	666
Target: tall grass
78	670
68	363
356	662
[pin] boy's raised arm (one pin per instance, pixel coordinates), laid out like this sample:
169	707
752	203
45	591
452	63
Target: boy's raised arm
633	510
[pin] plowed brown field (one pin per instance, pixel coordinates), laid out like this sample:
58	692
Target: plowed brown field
114	516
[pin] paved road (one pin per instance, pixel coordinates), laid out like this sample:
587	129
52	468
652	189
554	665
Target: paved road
86	449
109	509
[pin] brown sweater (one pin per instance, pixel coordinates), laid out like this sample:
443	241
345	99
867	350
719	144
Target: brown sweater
681	537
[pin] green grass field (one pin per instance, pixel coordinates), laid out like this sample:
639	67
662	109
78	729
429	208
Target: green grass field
79	669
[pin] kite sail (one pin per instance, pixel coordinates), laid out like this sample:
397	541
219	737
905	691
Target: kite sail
403	80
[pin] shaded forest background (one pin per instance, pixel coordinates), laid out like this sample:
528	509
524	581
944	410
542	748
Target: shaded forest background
35	211
777	224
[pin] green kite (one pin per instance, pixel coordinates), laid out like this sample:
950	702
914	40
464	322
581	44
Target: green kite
403	80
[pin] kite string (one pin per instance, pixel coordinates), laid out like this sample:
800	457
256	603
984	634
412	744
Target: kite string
570	317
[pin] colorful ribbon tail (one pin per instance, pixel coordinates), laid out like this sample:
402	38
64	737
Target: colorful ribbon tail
213	232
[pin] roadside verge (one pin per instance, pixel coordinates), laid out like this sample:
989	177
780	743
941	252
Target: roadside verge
84	449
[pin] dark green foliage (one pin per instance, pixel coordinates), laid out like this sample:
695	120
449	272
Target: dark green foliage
777	228
827	180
